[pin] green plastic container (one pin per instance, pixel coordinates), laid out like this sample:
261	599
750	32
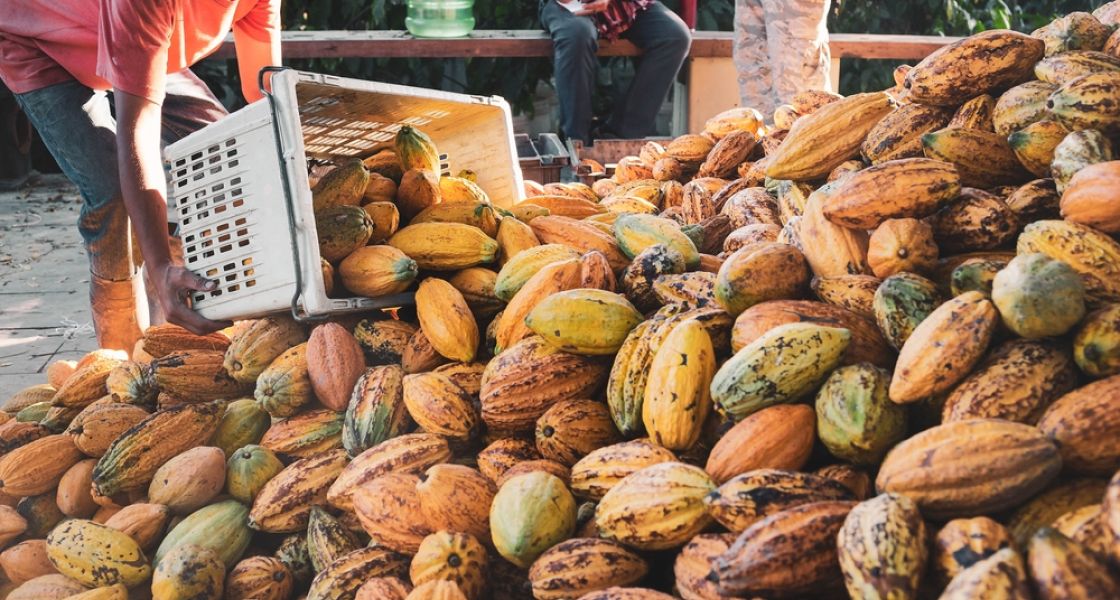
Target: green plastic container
440	18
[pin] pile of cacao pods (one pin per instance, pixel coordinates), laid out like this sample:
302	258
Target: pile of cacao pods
873	348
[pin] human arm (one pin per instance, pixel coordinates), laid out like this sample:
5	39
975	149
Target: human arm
257	39
143	187
591	7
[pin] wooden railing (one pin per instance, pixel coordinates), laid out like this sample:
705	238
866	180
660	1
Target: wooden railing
536	43
711	76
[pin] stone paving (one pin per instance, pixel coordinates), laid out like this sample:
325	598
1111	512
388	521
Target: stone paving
44	279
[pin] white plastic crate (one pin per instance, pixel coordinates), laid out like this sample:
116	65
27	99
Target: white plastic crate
238	188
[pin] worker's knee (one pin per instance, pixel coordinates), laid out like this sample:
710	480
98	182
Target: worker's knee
575	34
666	36
679	40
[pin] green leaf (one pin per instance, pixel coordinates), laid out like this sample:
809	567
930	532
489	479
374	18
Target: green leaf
1001	15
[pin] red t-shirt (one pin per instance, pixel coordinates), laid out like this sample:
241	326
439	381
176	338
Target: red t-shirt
131	45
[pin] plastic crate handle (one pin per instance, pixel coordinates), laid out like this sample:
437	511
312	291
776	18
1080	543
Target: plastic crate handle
266	91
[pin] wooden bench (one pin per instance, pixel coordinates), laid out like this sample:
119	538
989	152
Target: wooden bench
711	74
530	43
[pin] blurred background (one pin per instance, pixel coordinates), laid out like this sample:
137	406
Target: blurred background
526	82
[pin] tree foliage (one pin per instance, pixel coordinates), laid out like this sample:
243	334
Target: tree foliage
934	17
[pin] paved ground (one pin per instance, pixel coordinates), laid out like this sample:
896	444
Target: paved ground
44	278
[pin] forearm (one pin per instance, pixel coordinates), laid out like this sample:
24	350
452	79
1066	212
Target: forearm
141	175
253	54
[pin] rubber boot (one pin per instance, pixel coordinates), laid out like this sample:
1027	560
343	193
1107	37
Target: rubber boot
113	304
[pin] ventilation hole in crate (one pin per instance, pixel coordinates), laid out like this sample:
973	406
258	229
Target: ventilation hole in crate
236	192
205	233
230	142
242	232
198	176
214	148
225	237
211	272
228	267
217	187
190	249
189	239
216	170
222	226
231	277
214	159
231	153
221	208
186	220
233	163
251	283
238	202
241	220
250	272
204	214
234	287
225	248
246	261
196	156
325	121
216	293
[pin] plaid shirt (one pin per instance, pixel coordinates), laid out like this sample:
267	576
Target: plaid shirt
618	17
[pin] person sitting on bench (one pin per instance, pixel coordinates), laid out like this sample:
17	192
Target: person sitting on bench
577	25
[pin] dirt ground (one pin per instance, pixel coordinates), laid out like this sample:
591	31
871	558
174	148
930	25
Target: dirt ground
44	278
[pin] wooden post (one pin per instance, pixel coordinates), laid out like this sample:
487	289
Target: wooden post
834	74
713	87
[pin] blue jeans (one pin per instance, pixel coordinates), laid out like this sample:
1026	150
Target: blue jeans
76	124
664	40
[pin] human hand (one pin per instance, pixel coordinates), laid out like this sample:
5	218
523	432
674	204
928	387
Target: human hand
173	286
591	7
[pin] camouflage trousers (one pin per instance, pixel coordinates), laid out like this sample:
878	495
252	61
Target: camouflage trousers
781	48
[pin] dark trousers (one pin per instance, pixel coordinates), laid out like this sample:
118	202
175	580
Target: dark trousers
77	126
664	40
